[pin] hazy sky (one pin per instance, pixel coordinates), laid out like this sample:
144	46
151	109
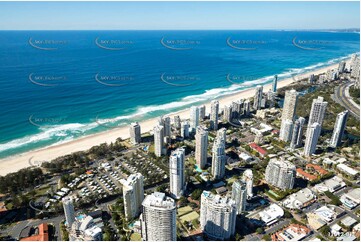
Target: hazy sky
178	15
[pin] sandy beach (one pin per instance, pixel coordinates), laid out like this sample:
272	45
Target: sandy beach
14	163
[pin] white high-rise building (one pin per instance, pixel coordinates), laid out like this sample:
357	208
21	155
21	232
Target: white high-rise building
218	216
177	173
218	157
214	115
239	195
222	134
135	133
248	179
177	122
286	130
281	174
158	219
312	135
194	118
202	112
297	133
133	195
274	84
339	129
158	140
167	127
227	113
289	106
355	70
318	110
201	146
257	101
68	211
288	114
246	107
185	129
341	67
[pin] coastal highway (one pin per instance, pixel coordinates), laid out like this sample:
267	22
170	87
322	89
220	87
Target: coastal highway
341	96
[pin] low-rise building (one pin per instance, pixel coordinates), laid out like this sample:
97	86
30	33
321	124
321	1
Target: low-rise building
259	149
348	221
324	215
351	199
293	232
271	214
300	199
333	184
348	171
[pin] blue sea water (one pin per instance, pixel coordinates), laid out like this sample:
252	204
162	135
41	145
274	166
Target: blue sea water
57	86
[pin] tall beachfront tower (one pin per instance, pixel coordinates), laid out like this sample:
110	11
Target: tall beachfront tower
313	133
201	146
133	195
194	118
288	114
257	101
158	140
297	132
318	110
202	112
185	129
219	155
248	179
289	105
68	211
158	219
286	130
274	83
214	115
281	174
239	195
177	173
135	133
218	216
339	129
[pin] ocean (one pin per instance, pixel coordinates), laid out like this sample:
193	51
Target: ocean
61	85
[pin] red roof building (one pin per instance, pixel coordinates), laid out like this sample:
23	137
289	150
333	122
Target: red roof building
259	149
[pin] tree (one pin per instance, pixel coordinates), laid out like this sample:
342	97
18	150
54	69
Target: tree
267	237
196	194
259	230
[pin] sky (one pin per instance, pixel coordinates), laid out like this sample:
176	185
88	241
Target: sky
178	15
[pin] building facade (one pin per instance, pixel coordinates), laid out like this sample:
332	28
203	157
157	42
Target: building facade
177	173
133	195
280	174
218	216
201	146
158	219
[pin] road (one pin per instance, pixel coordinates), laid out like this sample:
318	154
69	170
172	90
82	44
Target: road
343	98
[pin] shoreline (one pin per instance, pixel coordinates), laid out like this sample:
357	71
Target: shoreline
16	162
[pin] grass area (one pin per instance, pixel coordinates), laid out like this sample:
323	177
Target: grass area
42	191
135	237
184	210
189	217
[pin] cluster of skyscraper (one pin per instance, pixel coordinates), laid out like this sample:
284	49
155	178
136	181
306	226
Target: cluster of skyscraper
292	130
